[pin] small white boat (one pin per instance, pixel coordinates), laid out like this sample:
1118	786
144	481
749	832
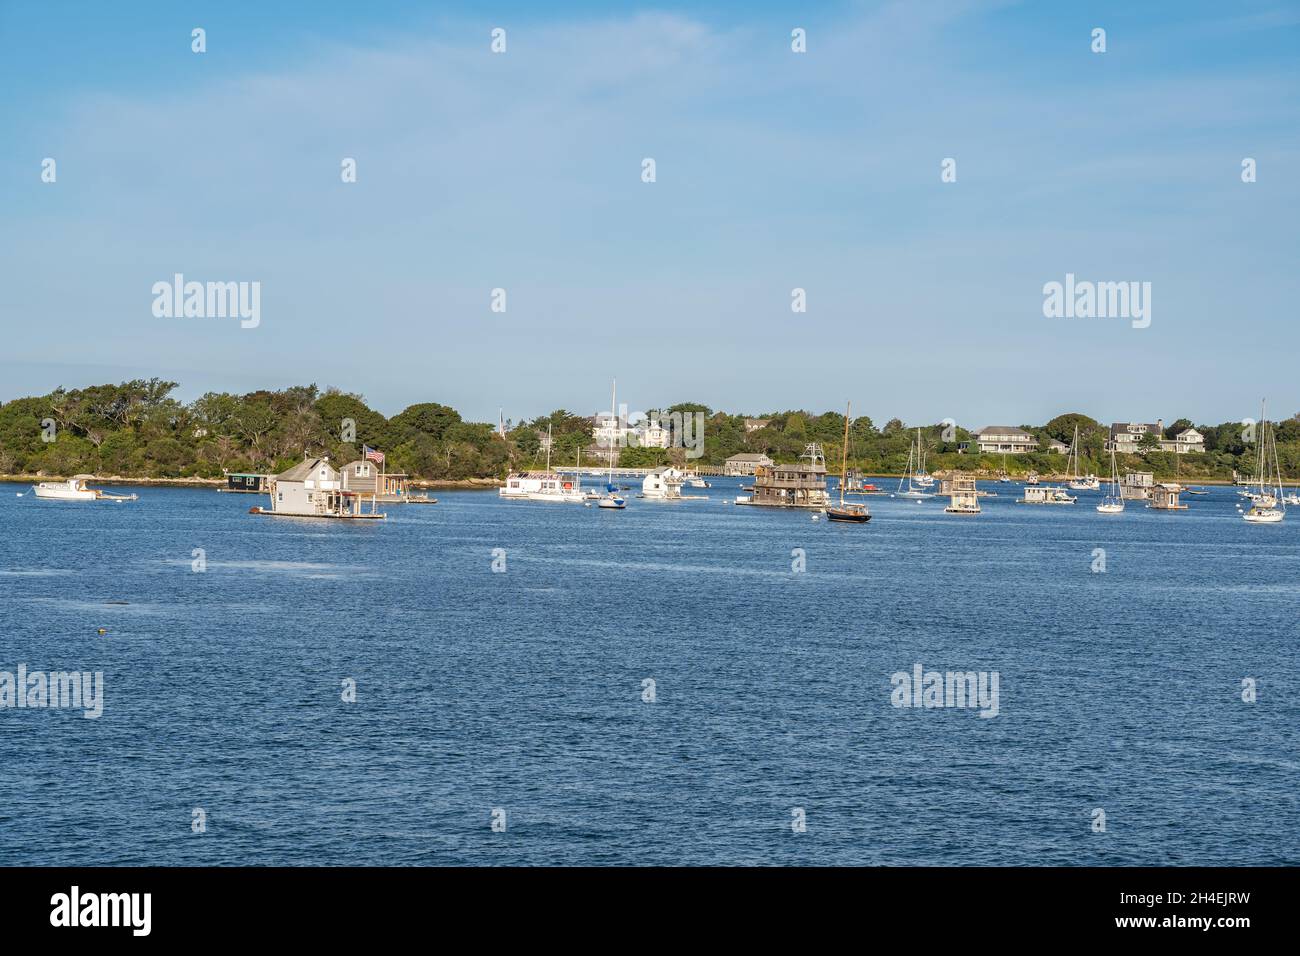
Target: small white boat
1077	481
1113	503
74	489
1292	499
611	499
1264	508
914	482
697	482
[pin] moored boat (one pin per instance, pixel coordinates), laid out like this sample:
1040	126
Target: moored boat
1265	504
1113	503
853	512
543	485
75	489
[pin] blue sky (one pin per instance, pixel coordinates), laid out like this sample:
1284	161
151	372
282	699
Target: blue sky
774	171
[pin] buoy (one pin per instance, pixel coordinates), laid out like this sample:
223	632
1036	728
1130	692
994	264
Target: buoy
103	631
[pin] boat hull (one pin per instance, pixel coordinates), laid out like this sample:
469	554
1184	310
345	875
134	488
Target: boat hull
852	517
64	491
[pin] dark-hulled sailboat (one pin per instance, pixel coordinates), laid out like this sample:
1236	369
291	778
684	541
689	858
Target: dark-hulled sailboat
850	511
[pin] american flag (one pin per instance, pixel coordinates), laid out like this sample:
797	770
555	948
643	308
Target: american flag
372	454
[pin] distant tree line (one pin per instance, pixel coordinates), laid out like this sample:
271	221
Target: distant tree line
138	429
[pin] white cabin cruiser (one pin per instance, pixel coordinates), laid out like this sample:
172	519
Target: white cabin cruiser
74	489
542	486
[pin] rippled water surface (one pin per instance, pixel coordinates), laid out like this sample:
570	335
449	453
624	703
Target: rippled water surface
523	690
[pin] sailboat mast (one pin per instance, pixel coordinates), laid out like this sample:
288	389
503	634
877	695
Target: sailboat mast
613	412
844	457
1259	450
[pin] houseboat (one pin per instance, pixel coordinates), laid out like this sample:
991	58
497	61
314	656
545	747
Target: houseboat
367	479
313	489
963	497
1046	495
1138	486
543	485
799	485
665	484
245	483
1164	497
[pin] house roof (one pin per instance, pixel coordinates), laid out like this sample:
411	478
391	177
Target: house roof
748	456
1117	428
303	470
1003	430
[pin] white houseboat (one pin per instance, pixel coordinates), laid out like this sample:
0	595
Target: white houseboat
313	489
543	485
1046	495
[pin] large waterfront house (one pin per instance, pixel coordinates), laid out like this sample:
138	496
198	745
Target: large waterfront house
798	485
365	477
1127	438
745	464
610	431
1005	440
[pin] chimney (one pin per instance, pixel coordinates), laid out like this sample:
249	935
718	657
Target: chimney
1160	426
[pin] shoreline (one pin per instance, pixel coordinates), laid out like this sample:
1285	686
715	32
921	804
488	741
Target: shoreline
467	484
486	484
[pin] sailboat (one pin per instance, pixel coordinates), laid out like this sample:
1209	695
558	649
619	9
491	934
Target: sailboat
1113	503
1265	508
853	511
611	498
1086	482
922	478
1002	475
909	479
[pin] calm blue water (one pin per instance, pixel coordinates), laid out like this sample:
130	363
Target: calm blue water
522	690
